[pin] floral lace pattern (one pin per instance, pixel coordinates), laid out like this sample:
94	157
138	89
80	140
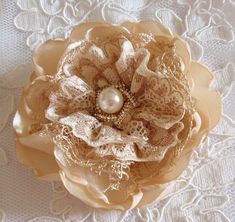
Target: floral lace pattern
200	194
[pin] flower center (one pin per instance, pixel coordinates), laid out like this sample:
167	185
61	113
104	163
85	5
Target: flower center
110	100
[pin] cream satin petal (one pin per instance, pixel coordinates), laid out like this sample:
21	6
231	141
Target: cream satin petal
22	121
93	188
38	89
148	27
123	194
33	76
37	141
44	165
35	99
104	32
81	192
96	184
23	118
84	176
151	193
183	51
47	56
202	77
209	97
79	31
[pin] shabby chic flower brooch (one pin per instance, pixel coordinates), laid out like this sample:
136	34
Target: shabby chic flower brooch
114	112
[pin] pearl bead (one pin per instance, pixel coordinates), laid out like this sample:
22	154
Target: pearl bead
110	100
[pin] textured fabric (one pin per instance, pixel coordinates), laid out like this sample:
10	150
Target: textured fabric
205	191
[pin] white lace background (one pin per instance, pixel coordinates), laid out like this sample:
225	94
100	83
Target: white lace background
204	192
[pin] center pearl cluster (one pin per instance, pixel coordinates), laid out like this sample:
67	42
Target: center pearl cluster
110	100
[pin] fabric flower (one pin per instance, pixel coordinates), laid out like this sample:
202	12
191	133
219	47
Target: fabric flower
114	112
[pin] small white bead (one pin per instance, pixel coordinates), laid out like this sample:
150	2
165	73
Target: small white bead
110	100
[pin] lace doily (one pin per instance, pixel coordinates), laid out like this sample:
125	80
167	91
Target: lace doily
205	191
